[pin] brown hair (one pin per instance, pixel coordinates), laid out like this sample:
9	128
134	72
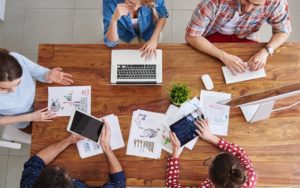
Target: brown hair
10	69
53	177
226	171
151	4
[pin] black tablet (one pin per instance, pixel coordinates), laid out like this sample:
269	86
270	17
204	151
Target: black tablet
85	125
185	129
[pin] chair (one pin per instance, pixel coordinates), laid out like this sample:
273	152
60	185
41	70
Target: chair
12	136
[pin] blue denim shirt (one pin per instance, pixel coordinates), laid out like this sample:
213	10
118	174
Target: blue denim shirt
126	31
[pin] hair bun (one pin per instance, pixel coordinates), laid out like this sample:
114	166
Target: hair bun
237	176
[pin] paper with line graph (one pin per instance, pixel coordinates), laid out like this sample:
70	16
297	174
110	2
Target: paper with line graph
145	134
63	100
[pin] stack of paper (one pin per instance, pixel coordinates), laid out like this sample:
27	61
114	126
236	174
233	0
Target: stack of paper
217	114
145	134
64	100
89	148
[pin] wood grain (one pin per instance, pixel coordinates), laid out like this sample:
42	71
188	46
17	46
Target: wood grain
273	144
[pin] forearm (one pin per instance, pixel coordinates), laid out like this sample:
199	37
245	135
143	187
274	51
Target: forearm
51	152
203	45
214	140
8	120
112	33
158	28
114	164
277	40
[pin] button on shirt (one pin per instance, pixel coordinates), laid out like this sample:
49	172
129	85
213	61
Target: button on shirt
35	165
21	101
211	15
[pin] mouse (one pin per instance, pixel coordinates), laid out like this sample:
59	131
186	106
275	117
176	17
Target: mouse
207	81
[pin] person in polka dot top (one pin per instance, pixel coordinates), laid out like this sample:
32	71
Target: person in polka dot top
231	168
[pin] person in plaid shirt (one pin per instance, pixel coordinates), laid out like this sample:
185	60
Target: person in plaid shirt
238	21
230	168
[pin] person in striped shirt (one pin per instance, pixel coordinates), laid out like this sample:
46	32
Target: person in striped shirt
238	21
232	168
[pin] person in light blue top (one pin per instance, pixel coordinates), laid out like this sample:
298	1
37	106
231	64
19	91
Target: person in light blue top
17	89
127	19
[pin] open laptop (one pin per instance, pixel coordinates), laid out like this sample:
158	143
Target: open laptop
128	67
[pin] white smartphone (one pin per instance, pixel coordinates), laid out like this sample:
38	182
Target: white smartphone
85	125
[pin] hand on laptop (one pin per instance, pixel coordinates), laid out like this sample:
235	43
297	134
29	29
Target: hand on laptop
57	76
234	63
105	137
149	49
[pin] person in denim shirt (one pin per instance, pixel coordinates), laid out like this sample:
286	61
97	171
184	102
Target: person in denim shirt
37	175
128	19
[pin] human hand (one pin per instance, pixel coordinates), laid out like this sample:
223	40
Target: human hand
234	63
204	132
149	49
175	143
121	10
57	76
258	61
105	137
74	138
43	115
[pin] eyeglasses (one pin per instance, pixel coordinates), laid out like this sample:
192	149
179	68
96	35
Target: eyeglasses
206	161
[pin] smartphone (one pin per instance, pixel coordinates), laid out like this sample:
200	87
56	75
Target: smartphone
85	125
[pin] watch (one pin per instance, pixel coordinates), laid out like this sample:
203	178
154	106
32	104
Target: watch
270	50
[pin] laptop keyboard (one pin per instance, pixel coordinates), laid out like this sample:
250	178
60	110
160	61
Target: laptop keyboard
136	71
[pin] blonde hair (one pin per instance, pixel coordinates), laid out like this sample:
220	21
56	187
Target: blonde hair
151	4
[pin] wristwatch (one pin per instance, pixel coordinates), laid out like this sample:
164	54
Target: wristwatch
270	50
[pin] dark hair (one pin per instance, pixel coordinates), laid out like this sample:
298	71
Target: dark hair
226	171
53	177
10	69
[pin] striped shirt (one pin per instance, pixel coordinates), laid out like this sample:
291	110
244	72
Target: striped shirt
211	15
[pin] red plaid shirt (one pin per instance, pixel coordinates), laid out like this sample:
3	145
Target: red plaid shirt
211	15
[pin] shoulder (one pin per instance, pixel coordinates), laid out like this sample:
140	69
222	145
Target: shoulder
20	58
113	2
274	4
159	2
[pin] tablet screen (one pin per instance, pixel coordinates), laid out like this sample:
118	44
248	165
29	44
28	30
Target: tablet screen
86	126
184	129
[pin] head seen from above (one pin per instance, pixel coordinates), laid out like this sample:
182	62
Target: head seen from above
248	6
134	5
225	170
54	177
10	72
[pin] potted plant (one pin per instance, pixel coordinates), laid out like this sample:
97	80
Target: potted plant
179	93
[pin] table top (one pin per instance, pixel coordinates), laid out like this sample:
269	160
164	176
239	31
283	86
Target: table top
272	144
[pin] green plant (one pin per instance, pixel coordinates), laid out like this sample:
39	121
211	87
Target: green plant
179	93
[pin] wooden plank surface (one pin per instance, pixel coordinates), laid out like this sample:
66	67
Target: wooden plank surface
272	144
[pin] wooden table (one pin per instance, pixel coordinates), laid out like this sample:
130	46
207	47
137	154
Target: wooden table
273	144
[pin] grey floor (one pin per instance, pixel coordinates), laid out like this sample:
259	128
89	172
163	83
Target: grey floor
30	22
